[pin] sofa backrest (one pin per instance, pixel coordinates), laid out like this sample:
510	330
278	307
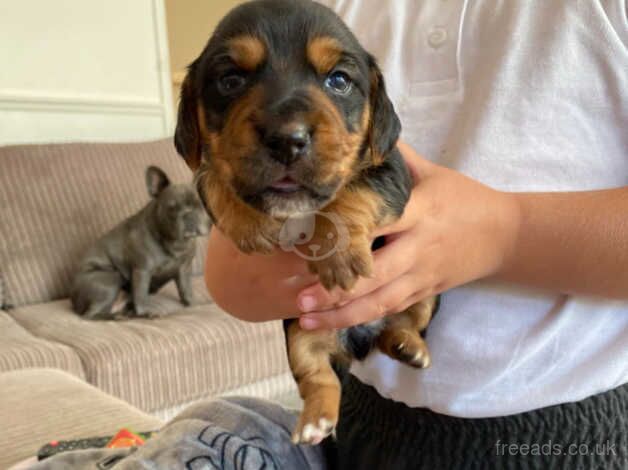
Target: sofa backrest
55	200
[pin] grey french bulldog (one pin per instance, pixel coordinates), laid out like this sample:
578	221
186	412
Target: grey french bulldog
143	253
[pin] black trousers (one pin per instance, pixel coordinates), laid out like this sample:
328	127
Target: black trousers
379	434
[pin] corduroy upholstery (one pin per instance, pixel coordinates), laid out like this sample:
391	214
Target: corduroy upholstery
158	364
55	200
19	349
40	405
3	304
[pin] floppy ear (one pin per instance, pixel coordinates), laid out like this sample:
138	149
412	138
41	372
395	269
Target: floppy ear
187	138
156	181
384	125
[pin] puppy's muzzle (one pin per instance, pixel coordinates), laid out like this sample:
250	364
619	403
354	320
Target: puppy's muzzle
289	142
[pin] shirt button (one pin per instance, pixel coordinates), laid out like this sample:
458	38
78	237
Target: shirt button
437	37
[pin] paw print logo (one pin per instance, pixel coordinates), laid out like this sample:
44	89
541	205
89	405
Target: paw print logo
297	232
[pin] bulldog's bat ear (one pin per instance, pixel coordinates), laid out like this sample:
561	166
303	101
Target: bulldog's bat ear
187	136
384	125
156	180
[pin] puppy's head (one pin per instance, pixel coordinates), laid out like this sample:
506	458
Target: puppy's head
179	213
284	106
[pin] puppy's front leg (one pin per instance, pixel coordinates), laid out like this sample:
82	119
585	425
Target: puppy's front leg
184	285
309	354
140	284
345	233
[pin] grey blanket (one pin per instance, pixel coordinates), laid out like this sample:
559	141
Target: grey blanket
234	433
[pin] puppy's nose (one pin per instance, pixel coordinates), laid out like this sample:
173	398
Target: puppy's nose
289	142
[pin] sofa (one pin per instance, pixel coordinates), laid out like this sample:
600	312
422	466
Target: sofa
55	200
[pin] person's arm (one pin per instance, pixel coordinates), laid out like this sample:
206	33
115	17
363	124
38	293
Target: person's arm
254	287
456	230
573	243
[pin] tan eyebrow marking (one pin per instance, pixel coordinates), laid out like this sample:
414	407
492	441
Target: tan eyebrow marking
248	52
324	53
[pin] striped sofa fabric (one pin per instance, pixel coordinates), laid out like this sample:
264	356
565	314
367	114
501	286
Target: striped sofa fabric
20	349
55	200
3	302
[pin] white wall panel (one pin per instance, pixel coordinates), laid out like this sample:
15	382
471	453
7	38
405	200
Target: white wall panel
52	126
76	70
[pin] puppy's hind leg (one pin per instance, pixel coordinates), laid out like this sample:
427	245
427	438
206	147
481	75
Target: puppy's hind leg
309	354
401	338
94	294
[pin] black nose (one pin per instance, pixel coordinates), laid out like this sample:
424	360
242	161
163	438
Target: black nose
289	142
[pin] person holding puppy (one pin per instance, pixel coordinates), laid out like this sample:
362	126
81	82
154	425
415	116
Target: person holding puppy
518	215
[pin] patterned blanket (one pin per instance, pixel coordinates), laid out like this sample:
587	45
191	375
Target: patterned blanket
229	434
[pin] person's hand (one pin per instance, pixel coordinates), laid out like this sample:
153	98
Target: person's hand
254	287
454	230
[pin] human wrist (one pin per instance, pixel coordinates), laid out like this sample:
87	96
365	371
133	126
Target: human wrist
509	226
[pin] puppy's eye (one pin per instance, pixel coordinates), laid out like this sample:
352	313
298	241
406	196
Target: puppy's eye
231	83
339	82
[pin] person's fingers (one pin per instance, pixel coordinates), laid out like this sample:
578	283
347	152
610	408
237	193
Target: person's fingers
418	205
408	220
389	263
417	165
377	304
413	299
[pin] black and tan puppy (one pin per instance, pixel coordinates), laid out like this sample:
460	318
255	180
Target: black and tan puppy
284	114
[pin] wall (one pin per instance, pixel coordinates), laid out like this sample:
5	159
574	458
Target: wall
87	70
190	23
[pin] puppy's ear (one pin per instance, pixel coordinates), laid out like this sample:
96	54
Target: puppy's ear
384	125
156	181
187	138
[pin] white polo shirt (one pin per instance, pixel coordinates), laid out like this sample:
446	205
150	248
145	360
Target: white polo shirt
523	96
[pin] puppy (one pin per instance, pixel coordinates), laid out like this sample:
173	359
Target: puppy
283	115
143	253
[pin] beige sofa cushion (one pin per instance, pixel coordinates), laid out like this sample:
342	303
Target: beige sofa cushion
40	405
19	349
3	300
56	200
159	364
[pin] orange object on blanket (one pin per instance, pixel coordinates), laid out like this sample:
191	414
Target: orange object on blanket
124	438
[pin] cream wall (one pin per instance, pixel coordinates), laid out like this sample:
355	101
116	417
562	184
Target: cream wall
79	70
190	23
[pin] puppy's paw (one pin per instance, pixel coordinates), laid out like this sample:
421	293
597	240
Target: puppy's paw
139	310
155	315
102	316
313	433
407	347
317	421
343	269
